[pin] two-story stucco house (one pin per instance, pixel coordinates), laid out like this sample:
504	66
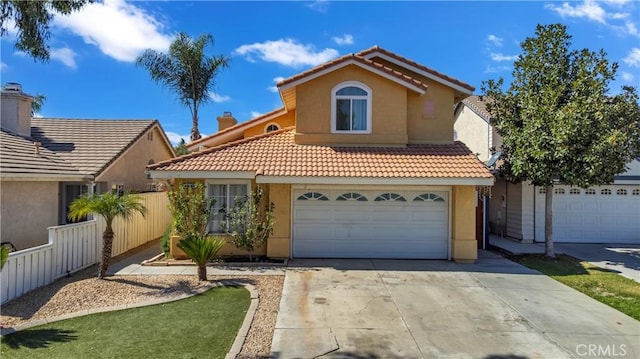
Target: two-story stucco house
601	214
359	162
46	163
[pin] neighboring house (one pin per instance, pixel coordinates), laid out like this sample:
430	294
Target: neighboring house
46	163
359	163
602	214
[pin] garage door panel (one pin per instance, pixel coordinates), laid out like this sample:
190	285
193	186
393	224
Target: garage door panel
588	218
371	229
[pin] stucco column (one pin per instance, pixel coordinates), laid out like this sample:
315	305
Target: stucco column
463	229
278	244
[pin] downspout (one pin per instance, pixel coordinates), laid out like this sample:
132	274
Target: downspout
535	209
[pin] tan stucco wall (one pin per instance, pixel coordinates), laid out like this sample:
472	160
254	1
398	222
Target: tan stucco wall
474	132
279	244
430	116
26	210
286	120
463	228
129	168
389	110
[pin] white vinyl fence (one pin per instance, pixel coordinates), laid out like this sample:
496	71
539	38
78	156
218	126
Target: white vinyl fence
76	246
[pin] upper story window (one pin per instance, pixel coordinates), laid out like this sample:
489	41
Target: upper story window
351	108
271	127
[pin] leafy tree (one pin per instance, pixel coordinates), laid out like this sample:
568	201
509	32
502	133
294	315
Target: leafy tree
191	212
32	19
248	226
186	70
36	104
558	121
109	206
201	249
190	208
181	148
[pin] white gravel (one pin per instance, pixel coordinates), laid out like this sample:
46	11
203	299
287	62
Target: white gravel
84	291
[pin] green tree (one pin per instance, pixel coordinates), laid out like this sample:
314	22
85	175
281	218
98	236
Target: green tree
190	208
31	19
186	70
181	149
248	227
201	249
37	103
558	121
109	206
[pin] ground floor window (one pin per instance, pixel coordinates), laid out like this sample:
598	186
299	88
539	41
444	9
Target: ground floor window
226	195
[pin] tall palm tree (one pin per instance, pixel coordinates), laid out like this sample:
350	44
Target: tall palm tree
36	105
186	70
109	206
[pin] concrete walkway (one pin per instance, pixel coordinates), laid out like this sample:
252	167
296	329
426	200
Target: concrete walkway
427	309
131	265
621	258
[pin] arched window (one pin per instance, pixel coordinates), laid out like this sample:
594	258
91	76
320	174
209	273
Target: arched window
271	127
390	197
351	196
351	108
428	197
312	196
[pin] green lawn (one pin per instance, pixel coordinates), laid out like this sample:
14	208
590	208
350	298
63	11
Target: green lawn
203	326
601	284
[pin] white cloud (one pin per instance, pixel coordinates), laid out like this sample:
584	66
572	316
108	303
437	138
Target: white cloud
286	52
319	6
345	39
498	57
274	88
496	41
588	9
12	30
633	59
175	138
496	69
121	30
64	55
255	114
617	2
217	98
631	29
3	66
627	76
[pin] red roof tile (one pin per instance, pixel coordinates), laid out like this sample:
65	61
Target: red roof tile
277	154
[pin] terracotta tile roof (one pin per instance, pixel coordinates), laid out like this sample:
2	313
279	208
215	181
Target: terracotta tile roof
240	126
415	64
89	145
277	154
360	59
18	158
478	106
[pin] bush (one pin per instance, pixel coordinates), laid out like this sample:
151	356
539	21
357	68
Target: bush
165	243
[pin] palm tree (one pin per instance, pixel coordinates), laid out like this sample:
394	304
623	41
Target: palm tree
36	105
186	70
109	206
201	249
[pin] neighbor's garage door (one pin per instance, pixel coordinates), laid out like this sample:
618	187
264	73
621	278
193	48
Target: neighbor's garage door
607	214
329	223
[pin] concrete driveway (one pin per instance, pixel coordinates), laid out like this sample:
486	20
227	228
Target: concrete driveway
429	309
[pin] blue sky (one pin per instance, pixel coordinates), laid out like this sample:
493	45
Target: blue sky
92	73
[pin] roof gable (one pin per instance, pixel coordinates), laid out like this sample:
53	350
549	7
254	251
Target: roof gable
413	66
89	145
477	105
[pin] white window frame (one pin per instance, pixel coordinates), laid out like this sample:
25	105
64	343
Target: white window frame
225	182
335	98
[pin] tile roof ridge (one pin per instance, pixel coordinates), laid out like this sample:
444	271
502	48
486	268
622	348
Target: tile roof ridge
220	147
126	147
94	119
236	126
416	64
473	102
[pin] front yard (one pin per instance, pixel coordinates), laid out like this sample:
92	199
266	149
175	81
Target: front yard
202	326
601	284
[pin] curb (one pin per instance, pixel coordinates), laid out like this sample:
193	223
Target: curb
236	347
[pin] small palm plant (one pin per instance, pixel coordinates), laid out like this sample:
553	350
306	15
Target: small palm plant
109	206
201	249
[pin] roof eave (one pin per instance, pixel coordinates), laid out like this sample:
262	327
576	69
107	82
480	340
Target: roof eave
409	181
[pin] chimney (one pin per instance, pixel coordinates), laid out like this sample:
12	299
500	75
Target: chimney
225	121
15	115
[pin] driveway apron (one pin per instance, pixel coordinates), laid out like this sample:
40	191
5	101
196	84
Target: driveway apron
495	308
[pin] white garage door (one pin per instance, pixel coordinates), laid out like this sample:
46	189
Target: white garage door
329	223
607	214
